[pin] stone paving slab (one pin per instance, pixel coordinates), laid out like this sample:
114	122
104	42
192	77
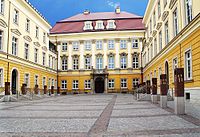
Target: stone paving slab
148	123
133	106
46	125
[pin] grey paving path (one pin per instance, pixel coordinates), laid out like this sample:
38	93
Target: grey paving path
93	115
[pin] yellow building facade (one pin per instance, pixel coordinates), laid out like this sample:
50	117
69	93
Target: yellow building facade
25	56
172	40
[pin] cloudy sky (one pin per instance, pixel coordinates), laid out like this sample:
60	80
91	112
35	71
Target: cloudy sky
55	10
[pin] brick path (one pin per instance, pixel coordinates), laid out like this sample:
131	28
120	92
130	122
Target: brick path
93	115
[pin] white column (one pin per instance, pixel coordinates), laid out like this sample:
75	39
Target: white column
93	54
129	54
105	45
70	56
81	55
117	57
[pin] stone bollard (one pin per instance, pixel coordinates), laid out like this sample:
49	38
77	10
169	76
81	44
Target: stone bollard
148	83
179	99
163	91
23	89
36	90
154	91
52	90
58	90
7	88
45	89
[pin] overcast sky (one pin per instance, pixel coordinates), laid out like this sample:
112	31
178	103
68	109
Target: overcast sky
55	10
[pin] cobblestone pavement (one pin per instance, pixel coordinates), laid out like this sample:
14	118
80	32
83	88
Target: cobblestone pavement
112	115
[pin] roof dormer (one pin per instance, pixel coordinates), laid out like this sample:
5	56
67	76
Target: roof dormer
88	25
99	25
111	24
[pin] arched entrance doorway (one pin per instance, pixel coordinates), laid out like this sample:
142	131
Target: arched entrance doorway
14	81
167	73
99	85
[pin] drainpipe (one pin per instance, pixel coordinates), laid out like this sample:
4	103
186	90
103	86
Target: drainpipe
57	60
8	39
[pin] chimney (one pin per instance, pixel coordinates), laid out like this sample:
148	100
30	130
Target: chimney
117	10
86	12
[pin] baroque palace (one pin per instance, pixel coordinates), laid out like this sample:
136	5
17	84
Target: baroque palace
100	52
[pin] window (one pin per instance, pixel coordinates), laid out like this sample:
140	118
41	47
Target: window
150	25
154	18
27	25
99	25
123	83
155	47
135	82
123	44
43	58
2	6
175	64
159	9
16	16
148	55
44	37
135	43
64	63
26	51
166	33
111	83
52	84
99	44
75	84
188	7
111	44
160	40
111	62
52	65
1	40
87	84
36	55
188	65
111	24
151	51
14	46
43	81
88	25
99	62
49	83
37	32
87	63
50	60
123	61
76	63
160	72
75	46
64	47
135	61
1	77
175	18
36	80
87	45
26	80
64	84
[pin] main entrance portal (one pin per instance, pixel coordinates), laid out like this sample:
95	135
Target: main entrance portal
99	85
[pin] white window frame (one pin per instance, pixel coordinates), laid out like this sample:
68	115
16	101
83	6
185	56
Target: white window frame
155	47
175	65
187	77
135	43
99	62
99	44
111	83
160	41
75	63
14	45
111	24
175	21
1	39
36	55
88	45
27	25
43	82
87	84
135	82
49	83
75	45
166	32
44	37
43	58
135	61
16	17
111	44
36	80
27	79
1	77
88	25
26	51
2	6
123	44
64	63
99	25
64	46
37	32
188	11
111	62
88	62
63	84
75	85
124	83
123	61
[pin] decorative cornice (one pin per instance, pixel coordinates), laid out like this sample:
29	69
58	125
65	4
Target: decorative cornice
16	31
27	38
159	24
37	44
111	54
123	53
44	48
172	3
150	39
165	14
3	23
99	54
88	55
154	33
63	56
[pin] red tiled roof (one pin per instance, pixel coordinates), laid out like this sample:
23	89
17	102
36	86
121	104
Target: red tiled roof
75	24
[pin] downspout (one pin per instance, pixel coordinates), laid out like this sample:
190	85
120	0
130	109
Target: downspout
57	61
8	40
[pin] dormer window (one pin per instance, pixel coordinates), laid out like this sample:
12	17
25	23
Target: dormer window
99	25
111	24
88	25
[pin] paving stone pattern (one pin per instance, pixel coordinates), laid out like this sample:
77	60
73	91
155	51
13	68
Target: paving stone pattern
111	115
